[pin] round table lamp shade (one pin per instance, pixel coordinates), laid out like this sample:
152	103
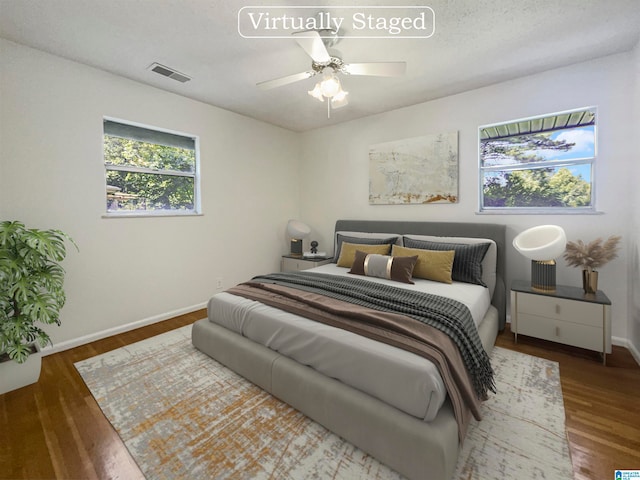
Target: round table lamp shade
296	230
545	242
542	244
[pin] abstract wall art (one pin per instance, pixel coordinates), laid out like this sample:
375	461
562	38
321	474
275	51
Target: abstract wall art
417	170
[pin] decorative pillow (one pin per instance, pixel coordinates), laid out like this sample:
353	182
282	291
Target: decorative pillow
399	269
366	239
348	252
432	264
467	262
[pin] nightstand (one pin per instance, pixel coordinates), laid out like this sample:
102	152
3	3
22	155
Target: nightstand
567	316
296	264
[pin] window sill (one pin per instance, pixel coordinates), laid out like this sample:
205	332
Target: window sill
538	212
150	214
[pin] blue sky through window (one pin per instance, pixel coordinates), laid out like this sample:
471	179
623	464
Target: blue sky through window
584	139
512	177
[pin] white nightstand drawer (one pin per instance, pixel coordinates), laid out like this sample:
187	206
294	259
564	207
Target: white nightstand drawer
558	308
583	336
290	264
566	315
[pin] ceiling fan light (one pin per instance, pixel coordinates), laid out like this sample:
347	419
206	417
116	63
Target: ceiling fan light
330	86
341	95
340	99
316	92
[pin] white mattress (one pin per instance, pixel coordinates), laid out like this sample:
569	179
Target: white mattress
375	368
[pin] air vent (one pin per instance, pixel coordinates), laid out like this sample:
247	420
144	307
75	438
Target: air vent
169	72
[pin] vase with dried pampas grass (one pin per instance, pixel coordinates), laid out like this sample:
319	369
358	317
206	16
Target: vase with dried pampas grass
591	256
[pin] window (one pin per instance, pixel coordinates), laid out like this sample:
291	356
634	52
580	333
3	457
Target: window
149	172
542	164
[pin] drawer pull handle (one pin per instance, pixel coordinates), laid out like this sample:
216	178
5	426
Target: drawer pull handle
557	309
557	331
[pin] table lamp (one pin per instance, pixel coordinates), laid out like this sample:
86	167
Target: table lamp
542	244
296	230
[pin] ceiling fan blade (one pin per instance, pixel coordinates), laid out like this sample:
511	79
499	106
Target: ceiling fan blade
380	69
312	43
279	82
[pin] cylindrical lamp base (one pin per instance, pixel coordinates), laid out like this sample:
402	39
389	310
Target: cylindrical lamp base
296	247
543	275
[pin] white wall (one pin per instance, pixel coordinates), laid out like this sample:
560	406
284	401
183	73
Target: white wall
132	269
634	243
335	166
127	270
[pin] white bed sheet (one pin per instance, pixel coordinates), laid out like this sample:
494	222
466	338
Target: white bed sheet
475	297
375	368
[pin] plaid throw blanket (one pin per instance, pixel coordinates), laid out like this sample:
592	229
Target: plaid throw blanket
447	315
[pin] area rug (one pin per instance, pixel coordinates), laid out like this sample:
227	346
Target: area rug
183	415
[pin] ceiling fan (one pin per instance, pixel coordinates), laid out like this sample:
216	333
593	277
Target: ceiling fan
329	64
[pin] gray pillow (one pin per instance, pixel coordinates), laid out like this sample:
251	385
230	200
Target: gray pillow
467	261
361	241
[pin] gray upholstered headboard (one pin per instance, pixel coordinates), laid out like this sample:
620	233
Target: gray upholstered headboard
480	230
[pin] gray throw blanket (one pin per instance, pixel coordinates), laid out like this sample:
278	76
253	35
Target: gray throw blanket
447	315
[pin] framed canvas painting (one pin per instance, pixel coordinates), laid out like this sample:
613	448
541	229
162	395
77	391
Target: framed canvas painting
417	170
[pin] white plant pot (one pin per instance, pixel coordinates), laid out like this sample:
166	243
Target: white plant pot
14	375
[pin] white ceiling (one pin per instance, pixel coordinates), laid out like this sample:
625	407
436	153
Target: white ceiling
476	43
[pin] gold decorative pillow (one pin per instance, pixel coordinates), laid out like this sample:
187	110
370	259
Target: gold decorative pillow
433	265
348	252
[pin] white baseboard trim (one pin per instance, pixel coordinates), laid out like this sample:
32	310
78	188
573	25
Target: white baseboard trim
76	342
623	342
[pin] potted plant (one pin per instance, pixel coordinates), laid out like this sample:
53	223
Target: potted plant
32	293
590	256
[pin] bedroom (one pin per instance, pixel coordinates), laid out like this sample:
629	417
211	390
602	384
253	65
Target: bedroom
133	272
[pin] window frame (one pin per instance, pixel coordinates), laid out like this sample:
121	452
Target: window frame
197	210
591	209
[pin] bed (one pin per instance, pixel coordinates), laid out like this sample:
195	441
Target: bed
313	368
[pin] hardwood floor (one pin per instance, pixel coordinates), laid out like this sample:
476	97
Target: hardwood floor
55	429
601	405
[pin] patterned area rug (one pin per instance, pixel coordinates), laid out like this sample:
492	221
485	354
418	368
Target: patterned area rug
183	415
